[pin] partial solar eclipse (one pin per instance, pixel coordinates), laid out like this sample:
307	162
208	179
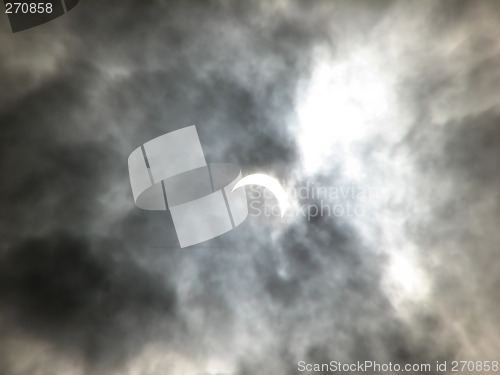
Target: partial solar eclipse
269	183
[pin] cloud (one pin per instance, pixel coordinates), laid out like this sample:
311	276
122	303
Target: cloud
395	97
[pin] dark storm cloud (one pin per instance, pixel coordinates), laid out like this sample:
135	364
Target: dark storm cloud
49	180
471	150
461	176
102	283
73	118
84	293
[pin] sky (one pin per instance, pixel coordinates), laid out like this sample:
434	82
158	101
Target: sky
384	113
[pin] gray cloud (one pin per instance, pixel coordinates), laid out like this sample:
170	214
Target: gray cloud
90	284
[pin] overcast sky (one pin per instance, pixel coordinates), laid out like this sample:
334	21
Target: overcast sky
400	99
